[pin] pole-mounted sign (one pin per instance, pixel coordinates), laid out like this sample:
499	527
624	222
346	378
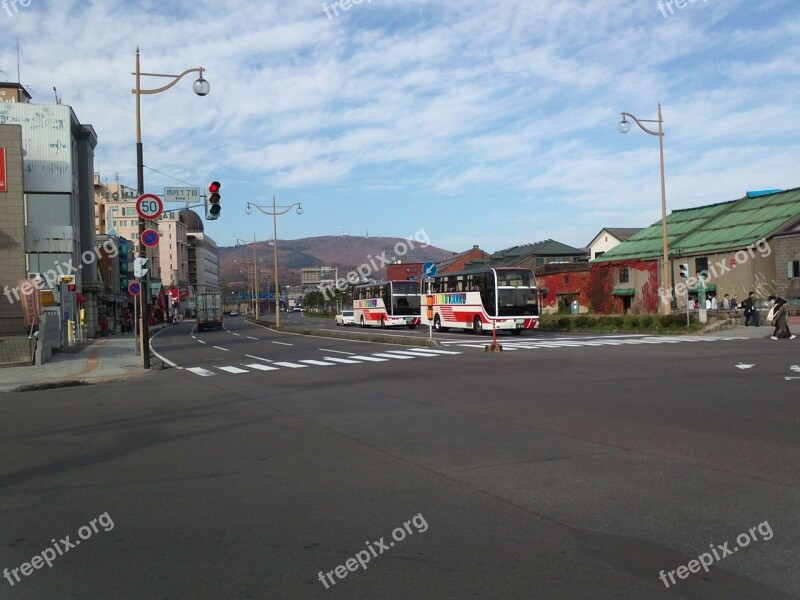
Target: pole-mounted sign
149	207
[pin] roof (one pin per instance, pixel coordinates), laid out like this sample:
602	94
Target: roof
623	233
714	228
511	257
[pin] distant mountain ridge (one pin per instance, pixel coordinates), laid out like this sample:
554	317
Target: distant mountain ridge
343	252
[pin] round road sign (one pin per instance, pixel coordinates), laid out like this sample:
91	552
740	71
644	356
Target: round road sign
150	238
149	206
134	288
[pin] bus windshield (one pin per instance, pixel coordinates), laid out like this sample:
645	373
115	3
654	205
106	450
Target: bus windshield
516	293
405	299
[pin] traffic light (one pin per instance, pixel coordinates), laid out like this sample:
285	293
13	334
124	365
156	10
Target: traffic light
685	270
212	201
70	287
139	270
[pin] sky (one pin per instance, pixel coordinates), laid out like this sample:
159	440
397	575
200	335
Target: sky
488	123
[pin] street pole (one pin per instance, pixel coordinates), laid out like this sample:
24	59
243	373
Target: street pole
255	272
275	257
144	290
665	278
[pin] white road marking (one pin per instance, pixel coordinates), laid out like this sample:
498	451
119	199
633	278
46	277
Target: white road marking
319	363
407	353
290	365
744	366
201	341
221	348
259	358
344	361
283	343
260	367
235	370
370	358
395	355
239	334
337	351
201	371
249	337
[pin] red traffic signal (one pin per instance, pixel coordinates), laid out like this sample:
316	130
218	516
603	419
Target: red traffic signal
70	287
212	201
214	186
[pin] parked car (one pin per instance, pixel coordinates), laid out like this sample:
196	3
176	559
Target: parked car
234	313
346	317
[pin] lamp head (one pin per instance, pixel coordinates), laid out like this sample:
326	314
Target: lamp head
299	210
201	86
624	126
248	210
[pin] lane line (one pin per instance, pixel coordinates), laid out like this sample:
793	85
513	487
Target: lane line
370	358
250	337
239	334
290	365
221	348
201	341
337	351
394	355
319	363
283	343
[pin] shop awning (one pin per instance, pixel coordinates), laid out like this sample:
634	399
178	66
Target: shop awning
624	292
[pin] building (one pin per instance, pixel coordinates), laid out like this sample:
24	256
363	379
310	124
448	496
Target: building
608	238
738	246
57	184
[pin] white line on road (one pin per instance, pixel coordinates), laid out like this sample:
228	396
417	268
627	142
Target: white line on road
233	370
221	348
259	358
283	343
337	351
318	363
291	365
395	355
344	361
201	371
260	367
201	341
250	337
239	334
370	358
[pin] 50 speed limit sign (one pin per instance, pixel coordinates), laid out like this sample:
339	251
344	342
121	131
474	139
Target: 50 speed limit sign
149	206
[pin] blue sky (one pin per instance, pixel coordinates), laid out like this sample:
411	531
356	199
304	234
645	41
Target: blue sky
489	123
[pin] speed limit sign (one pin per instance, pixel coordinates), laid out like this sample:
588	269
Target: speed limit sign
149	206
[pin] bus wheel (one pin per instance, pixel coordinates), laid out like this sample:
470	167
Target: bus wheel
477	326
362	321
516	331
437	325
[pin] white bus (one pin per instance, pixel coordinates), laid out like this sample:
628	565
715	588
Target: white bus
387	304
485	299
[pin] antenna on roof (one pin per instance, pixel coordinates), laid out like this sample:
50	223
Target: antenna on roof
55	93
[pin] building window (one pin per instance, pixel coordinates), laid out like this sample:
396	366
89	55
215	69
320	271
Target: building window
793	271
539	261
598	254
624	275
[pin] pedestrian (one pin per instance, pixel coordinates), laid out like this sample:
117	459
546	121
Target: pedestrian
726	302
735	303
714	305
750	312
780	322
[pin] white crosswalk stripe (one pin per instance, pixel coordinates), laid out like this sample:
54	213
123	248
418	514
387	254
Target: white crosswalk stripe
326	361
580	342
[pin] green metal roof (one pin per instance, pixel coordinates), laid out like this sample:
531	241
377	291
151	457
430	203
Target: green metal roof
713	228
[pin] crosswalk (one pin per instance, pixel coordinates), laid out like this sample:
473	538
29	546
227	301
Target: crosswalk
580	342
326	361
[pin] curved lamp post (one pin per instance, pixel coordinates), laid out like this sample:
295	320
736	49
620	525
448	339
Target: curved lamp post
275	213
201	87
625	127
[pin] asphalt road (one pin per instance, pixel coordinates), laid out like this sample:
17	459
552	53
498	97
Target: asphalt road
567	468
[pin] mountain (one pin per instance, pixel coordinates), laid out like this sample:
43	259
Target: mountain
343	252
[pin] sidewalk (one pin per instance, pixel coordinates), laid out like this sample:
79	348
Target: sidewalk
761	332
92	362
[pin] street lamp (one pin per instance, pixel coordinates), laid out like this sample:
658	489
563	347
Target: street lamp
201	87
255	273
625	127
274	213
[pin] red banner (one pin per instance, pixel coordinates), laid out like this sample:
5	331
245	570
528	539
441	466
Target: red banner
3	184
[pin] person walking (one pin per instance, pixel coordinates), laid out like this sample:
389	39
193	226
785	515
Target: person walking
780	322
750	312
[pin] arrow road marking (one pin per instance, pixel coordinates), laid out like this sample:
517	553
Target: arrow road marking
744	366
